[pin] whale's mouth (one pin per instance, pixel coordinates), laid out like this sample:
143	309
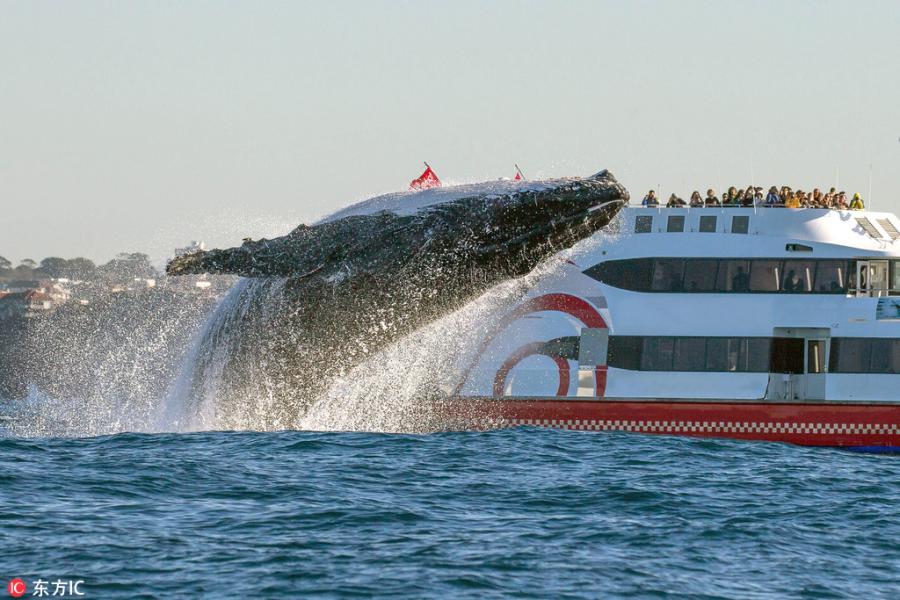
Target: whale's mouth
562	231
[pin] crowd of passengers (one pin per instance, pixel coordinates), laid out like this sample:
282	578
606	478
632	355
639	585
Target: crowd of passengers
753	196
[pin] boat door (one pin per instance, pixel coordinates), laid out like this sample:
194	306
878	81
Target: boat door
799	364
816	368
872	278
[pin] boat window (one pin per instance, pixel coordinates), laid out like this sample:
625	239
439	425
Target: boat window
625	352
787	355
708	224
690	354
643	224
625	274
850	355
765	276
759	351
675	224
797	276
740	224
657	354
668	275
706	275
815	356
895	277
797	248
734	276
865	355
881	360
700	275
721	354
831	276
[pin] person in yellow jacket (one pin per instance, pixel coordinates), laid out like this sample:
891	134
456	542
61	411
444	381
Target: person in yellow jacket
857	203
792	201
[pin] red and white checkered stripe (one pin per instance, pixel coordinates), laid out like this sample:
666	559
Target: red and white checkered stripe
713	426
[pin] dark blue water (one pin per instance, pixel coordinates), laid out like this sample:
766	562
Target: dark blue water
523	513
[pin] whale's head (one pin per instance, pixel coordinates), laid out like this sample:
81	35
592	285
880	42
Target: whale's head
533	219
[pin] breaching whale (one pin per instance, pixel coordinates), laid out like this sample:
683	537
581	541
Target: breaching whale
325	296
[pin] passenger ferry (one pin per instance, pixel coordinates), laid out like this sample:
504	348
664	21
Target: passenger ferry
753	323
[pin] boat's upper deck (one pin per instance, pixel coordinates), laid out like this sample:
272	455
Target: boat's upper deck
695	231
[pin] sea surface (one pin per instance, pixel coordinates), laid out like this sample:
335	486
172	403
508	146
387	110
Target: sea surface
524	513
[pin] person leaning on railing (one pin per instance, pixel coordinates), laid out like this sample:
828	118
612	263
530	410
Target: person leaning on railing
650	199
857	203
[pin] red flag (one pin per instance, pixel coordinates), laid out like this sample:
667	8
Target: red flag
518	176
426	180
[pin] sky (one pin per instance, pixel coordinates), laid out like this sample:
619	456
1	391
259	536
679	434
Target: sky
139	126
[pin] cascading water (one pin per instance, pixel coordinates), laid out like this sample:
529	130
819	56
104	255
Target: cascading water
231	380
154	365
102	368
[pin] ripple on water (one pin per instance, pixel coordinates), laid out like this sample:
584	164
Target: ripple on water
516	513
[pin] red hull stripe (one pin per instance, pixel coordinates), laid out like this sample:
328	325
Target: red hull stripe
806	424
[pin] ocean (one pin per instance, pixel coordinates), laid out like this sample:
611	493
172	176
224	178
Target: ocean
520	513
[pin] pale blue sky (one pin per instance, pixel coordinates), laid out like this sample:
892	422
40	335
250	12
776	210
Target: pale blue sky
142	125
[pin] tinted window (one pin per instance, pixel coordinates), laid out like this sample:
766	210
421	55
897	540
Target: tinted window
721	354
643	223
657	354
740	224
787	355
690	354
675	224
734	276
758	355
625	274
725	275
700	275
797	276
881	353
668	275
765	276
625	352
850	355
831	276
708	224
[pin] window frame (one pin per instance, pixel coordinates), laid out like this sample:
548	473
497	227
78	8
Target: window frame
677	219
643	224
745	224
714	219
638	274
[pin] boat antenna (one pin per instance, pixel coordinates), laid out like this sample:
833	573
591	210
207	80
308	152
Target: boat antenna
871	205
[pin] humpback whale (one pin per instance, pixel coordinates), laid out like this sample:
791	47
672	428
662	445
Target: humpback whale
322	298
